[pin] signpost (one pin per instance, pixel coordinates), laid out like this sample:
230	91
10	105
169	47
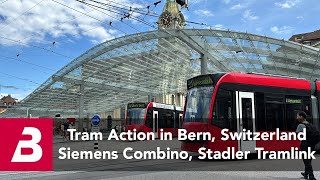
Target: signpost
95	121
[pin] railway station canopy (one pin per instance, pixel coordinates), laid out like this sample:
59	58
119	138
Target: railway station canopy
129	68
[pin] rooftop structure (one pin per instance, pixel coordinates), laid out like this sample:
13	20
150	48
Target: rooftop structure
310	38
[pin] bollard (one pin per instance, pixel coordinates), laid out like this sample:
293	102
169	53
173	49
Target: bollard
96	145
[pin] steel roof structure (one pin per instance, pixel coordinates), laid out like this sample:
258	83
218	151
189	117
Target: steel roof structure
131	67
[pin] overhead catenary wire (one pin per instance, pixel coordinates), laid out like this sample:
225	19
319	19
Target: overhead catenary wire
28	80
38	47
85	14
140	12
155	5
123	22
131	9
127	24
26	62
142	21
23	13
104	22
110	23
69	20
122	18
49	50
92	28
17	41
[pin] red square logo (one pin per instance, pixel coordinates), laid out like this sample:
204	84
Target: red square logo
26	144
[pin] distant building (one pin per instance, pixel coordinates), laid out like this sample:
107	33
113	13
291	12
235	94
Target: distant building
7	102
310	38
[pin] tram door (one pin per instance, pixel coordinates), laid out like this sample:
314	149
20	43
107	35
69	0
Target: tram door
155	123
245	110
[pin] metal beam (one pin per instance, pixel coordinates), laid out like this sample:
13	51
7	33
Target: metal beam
91	82
198	48
81	107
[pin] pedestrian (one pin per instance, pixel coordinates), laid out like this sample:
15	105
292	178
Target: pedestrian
116	128
66	127
303	123
62	129
120	128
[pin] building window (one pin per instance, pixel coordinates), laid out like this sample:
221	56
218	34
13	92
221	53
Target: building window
298	38
307	43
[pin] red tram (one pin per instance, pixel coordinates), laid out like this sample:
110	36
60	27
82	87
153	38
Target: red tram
255	102
153	116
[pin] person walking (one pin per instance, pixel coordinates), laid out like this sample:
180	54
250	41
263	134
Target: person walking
303	123
66	127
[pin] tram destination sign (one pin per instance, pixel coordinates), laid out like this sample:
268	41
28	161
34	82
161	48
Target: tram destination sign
205	80
137	105
293	101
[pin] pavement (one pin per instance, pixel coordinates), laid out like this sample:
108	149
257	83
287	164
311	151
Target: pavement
159	169
172	175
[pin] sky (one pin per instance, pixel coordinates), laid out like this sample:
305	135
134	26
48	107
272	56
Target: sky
39	37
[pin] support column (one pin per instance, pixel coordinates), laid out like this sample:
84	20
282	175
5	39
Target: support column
177	99
81	104
28	115
204	63
88	122
172	99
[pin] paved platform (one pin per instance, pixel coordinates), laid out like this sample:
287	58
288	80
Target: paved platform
161	169
173	175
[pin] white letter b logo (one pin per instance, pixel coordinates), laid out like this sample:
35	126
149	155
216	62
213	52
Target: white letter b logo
33	144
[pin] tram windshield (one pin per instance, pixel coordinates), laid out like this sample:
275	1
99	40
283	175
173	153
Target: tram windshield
198	104
136	116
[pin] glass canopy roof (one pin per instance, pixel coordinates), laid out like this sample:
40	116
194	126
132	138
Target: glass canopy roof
155	63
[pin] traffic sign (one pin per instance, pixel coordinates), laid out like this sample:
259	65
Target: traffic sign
95	120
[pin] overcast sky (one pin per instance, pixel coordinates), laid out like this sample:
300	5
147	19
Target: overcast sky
39	37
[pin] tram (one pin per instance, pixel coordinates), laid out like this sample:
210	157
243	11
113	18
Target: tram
151	117
255	102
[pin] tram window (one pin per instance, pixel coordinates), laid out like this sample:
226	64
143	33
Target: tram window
177	119
247	119
166	119
275	116
260	112
180	121
149	119
224	114
275	113
156	123
274	98
307	108
294	104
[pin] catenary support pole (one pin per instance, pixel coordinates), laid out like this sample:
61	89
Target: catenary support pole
81	104
204	63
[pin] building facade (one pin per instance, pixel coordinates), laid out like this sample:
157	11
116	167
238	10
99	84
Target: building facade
310	38
7	102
